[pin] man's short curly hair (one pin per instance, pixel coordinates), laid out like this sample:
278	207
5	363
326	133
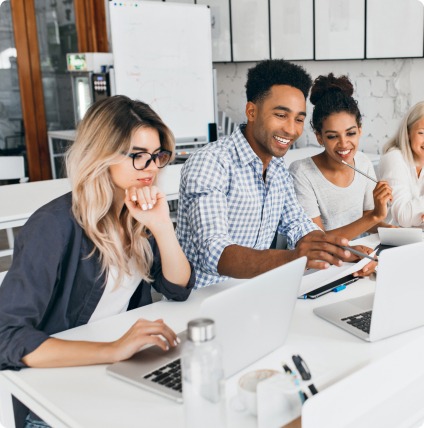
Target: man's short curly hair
275	72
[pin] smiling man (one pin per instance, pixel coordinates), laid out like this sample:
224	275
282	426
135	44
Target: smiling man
236	193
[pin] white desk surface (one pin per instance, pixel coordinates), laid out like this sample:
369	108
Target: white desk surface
19	201
88	397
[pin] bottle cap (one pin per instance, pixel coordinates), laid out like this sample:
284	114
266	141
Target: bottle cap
201	330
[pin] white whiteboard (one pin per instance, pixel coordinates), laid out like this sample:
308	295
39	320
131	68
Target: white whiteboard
396	33
292	35
163	56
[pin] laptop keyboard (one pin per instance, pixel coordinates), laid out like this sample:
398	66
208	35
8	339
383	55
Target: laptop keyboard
168	375
361	321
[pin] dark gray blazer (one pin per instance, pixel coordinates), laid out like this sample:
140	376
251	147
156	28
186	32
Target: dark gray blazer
53	285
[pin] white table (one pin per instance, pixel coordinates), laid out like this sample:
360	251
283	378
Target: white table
19	201
88	397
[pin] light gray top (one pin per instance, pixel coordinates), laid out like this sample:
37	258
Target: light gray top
337	206
407	207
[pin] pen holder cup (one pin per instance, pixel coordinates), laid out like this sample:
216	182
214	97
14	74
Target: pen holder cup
248	386
279	401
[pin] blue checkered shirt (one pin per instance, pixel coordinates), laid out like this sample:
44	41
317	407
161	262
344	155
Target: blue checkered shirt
224	200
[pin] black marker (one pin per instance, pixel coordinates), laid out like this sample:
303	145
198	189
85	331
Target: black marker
304	371
301	366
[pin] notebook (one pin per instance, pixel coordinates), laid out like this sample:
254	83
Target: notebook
252	319
399	236
396	305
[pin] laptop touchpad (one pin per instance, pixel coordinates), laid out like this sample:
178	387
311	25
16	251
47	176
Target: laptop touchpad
153	353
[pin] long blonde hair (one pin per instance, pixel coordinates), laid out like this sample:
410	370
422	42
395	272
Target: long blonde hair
400	140
103	136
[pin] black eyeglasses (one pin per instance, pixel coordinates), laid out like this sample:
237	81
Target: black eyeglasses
141	160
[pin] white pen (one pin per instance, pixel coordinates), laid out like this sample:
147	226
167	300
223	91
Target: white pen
359	253
360	172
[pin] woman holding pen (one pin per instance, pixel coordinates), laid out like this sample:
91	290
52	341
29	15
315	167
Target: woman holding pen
340	199
401	165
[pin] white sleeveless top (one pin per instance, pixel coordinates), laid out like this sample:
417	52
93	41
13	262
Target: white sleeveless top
115	300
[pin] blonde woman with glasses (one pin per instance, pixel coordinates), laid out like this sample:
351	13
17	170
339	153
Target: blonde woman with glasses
98	250
402	166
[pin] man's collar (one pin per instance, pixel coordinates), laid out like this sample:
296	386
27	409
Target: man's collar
243	148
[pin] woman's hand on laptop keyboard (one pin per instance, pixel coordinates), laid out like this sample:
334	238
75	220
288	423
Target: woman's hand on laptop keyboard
142	333
55	352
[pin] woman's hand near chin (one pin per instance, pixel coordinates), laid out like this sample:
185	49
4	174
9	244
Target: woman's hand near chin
148	206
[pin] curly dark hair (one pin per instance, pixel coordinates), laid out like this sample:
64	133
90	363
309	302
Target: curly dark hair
330	95
275	72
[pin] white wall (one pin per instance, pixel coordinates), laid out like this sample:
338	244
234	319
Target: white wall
385	89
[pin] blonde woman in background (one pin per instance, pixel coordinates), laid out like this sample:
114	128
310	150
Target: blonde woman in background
401	165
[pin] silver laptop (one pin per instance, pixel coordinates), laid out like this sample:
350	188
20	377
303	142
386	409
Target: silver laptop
397	304
399	236
252	319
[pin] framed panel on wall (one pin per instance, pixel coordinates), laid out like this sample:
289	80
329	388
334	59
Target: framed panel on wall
250	30
396	33
340	29
220	23
292	29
